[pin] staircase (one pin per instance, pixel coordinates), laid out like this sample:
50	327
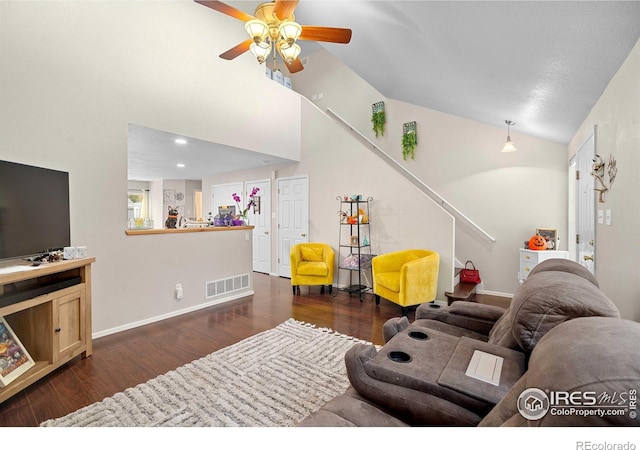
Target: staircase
467	292
461	291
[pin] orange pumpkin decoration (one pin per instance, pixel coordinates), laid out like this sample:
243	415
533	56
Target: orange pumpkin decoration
537	242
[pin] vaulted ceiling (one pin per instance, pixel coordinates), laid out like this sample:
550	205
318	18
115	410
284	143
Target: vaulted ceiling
541	64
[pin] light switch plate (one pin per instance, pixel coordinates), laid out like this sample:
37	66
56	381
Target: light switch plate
608	217
600	216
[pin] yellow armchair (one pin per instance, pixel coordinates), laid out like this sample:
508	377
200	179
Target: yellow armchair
312	265
406	277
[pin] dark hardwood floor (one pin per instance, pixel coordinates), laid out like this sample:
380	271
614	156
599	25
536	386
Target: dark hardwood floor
132	357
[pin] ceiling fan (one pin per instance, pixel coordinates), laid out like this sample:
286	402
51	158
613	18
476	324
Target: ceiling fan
273	28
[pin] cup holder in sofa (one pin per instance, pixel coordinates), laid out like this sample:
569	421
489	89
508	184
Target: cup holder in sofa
419	335
400	357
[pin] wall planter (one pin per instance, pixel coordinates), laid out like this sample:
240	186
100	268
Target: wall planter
409	140
378	118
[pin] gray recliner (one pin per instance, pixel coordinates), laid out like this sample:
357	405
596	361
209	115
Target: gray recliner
600	363
556	290
420	375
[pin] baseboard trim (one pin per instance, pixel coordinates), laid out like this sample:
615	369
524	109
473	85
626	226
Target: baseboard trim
497	294
179	312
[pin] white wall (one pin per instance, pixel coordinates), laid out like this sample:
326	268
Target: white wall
74	75
509	195
617	118
338	165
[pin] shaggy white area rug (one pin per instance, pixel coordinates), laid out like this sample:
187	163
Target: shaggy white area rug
272	379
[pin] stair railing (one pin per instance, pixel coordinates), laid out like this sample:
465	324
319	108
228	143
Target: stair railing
411	177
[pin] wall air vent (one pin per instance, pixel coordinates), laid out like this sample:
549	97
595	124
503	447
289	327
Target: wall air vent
227	285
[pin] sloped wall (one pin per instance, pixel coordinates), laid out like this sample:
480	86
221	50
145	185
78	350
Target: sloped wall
73	75
508	195
617	118
337	165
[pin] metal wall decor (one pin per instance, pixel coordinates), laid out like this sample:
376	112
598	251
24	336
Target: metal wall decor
604	180
409	140
378	118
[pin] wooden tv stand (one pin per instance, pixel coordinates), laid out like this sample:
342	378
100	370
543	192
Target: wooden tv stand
54	327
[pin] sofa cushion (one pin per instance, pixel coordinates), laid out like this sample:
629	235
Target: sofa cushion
564	265
389	280
350	410
449	329
311	253
317	269
592	354
501	334
548	299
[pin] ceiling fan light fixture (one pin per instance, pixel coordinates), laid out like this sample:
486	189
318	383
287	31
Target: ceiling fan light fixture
273	27
508	145
257	29
289	52
290	31
261	51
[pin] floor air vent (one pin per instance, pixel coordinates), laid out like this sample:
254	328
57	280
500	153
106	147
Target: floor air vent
221	287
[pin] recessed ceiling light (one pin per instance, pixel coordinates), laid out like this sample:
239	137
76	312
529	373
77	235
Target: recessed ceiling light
180	165
181	141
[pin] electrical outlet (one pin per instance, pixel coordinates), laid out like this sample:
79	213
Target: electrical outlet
178	291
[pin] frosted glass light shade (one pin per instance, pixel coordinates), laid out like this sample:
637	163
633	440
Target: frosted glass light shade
290	31
290	53
261	51
508	146
257	29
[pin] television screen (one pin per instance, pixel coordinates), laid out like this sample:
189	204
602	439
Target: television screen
34	210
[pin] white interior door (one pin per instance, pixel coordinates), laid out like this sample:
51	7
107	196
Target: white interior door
293	218
585	206
222	195
260	218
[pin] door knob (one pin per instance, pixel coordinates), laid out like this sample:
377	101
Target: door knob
266	232
588	257
303	234
591	242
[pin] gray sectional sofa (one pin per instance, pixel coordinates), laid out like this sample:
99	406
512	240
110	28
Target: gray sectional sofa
560	345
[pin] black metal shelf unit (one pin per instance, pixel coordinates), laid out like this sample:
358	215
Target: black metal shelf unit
354	244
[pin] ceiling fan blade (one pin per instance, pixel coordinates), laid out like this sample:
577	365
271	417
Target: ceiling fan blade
284	8
295	66
326	34
237	50
226	9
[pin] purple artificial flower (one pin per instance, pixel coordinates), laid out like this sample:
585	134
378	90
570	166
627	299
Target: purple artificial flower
251	203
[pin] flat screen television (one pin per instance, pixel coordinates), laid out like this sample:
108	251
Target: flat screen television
34	210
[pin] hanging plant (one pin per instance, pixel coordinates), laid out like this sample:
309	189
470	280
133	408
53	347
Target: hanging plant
409	140
378	118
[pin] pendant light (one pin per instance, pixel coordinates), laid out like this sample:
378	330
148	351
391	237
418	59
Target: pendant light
508	146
